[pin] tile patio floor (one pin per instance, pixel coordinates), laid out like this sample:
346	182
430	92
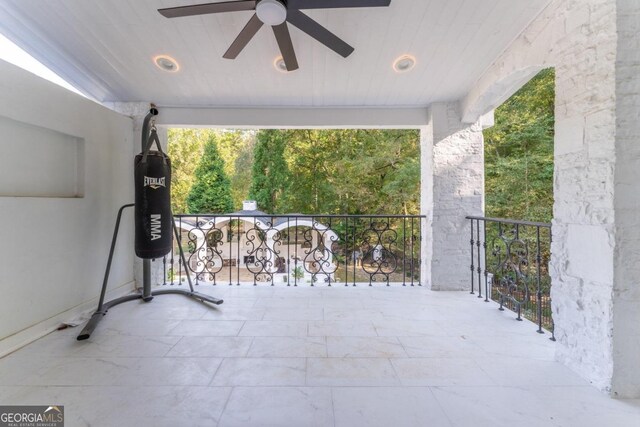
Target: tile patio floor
339	356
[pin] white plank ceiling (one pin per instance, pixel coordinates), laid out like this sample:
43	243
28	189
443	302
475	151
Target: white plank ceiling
105	48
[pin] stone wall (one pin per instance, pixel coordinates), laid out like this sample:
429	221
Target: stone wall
595	261
626	269
452	187
584	221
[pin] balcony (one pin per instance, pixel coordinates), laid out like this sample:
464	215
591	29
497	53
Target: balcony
351	340
334	321
316	250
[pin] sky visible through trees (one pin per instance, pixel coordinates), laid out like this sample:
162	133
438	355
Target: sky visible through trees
363	171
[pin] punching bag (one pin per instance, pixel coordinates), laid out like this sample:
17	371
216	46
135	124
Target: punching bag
153	219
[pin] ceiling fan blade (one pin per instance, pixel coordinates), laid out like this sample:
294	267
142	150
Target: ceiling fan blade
319	32
203	9
286	46
243	38
335	4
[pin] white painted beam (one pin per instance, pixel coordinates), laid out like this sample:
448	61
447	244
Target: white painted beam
321	118
493	89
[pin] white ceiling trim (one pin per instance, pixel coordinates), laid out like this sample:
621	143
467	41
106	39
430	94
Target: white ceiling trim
293	118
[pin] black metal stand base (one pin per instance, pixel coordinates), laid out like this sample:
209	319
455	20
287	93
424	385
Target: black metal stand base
99	314
146	294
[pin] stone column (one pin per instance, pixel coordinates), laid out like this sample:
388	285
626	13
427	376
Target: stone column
584	247
452	165
626	258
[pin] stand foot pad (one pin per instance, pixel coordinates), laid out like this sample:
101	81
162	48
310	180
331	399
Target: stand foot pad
98	315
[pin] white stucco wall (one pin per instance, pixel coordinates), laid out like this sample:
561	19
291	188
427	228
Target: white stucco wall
54	249
595	263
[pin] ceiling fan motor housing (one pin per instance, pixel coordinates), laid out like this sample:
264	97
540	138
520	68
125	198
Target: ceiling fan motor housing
271	12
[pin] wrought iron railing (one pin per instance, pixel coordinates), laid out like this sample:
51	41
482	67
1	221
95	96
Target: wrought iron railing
297	250
510	260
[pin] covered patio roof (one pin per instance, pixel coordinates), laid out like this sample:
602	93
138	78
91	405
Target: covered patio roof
106	50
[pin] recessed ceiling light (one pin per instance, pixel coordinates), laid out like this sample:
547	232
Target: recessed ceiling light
404	63
166	63
280	65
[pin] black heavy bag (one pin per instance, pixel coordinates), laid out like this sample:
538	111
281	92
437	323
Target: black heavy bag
153	201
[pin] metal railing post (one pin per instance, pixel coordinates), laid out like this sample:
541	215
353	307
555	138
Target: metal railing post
508	261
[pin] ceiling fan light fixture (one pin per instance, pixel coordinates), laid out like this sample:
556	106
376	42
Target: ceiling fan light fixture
404	64
271	12
280	65
166	63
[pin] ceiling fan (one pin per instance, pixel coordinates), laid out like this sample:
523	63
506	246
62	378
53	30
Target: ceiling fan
277	13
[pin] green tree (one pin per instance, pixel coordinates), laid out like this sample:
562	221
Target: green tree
185	150
186	147
242	175
211	191
308	155
353	171
232	145
519	153
308	171
270	174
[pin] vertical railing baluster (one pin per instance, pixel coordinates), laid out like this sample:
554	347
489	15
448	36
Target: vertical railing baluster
355	261
479	268
295	259
419	251
312	232
553	327
179	262
539	285
238	251
486	268
382	256
329	251
196	251
239	256
413	242
173	266
164	270
287	262
347	253
473	269
404	251
373	251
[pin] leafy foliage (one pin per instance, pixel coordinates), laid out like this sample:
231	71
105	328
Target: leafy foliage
211	191
186	147
185	150
306	171
339	171
270	173
236	148
519	153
